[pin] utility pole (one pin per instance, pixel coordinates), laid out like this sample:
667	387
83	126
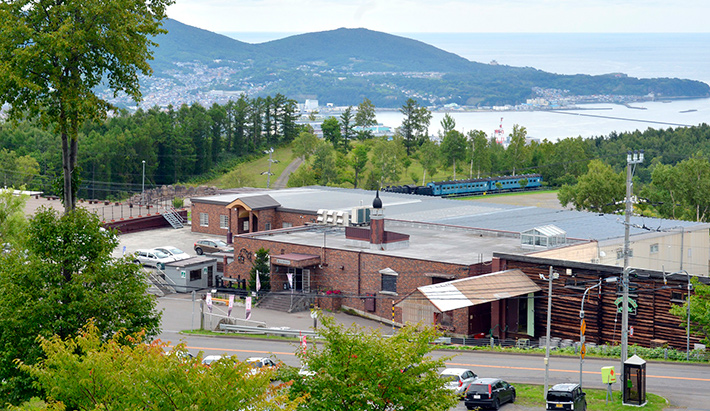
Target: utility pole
551	276
632	159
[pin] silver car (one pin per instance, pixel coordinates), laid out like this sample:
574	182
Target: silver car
458	379
152	258
177	253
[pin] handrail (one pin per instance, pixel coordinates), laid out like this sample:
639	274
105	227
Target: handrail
286	332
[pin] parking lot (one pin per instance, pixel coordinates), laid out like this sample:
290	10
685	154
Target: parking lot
181	238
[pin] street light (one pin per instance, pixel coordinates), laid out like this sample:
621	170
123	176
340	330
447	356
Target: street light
687	311
550	277
583	324
143	185
632	159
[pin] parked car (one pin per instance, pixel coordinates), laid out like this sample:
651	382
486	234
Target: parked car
152	257
177	253
259	364
488	393
209	359
210	245
567	396
457	379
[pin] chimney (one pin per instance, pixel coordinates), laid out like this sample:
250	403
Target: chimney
377	221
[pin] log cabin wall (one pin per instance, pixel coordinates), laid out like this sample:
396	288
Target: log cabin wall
652	323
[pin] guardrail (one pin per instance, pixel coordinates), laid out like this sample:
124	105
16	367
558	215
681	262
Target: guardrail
284	332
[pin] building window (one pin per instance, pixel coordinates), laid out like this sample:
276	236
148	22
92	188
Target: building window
654	248
286	225
224	222
195	275
389	283
267	226
204	220
245	225
677	297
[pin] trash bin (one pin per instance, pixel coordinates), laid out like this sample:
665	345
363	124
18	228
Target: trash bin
634	382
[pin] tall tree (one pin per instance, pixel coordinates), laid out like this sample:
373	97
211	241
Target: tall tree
305	145
358	160
365	117
517	151
261	266
415	124
358	369
346	127
480	153
64	277
429	156
453	149
53	55
596	191
331	132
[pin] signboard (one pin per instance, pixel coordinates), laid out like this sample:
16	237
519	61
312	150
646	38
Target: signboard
584	326
283	262
608	375
583	350
632	305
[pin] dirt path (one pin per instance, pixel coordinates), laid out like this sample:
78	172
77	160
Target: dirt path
283	178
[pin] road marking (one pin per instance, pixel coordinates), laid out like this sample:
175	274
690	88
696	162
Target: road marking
570	371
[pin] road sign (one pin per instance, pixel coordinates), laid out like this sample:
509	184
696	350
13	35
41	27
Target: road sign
584	326
583	350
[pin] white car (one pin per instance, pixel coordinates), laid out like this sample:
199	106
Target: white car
458	379
173	251
209	359
152	258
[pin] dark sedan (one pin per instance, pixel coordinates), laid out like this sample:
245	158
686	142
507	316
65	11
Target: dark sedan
489	393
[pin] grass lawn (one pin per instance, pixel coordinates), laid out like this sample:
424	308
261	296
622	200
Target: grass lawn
531	396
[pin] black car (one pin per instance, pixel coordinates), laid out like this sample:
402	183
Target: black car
489	393
566	397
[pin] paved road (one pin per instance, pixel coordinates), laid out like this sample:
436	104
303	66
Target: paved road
686	386
283	178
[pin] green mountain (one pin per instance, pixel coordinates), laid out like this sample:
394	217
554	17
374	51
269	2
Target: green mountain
344	66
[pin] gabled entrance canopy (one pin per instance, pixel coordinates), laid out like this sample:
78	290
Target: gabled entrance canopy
481	289
253	203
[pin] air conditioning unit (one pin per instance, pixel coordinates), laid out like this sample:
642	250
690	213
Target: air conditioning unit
330	217
321	216
360	215
595	261
342	218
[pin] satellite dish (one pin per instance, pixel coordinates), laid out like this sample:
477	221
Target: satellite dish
602	254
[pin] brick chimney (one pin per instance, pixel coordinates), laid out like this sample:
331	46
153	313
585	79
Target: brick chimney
377	221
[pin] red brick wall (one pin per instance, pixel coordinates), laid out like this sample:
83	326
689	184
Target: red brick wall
339	271
272	216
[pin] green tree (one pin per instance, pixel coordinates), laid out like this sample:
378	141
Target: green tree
357	160
429	156
304	145
699	311
359	369
517	151
453	149
415	124
331	132
596	191
12	218
261	265
365	117
323	165
86	373
53	55
386	159
64	277
346	127
480	153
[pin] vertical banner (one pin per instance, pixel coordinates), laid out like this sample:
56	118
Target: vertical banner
124	250
290	280
304	344
208	300
258	282
247	306
231	305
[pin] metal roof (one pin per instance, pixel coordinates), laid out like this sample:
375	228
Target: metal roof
480	289
549	230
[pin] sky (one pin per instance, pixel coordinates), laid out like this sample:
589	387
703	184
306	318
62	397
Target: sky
446	16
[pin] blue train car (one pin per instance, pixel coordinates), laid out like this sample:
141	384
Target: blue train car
509	183
472	186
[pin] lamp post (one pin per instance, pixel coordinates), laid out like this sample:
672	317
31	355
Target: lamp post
550	277
632	159
143	185
583	324
687	311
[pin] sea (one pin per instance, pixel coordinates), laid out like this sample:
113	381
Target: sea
643	55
